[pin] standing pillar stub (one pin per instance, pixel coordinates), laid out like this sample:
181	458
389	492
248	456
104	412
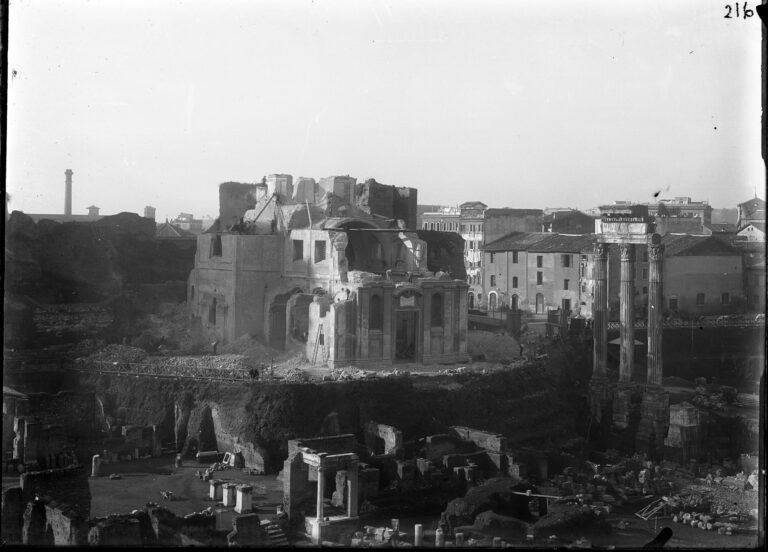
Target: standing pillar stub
320	492
600	313
627	313
655	309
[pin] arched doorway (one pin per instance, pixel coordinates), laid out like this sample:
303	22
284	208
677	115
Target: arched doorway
492	301
471	298
278	319
539	303
514	303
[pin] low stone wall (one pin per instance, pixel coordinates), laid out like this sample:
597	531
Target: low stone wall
67	485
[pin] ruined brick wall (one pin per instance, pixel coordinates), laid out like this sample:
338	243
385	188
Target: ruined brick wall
12	512
445	251
405	206
67	526
65	485
375	198
493	442
235	199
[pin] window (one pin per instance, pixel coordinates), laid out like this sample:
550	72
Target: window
700	299
376	316
725	299
645	256
539	278
319	250
645	274
514	256
216	246
437	310
514	281
491	257
463	228
566	262
673	304
212	312
493	281
565	283
645	290
539	261
298	250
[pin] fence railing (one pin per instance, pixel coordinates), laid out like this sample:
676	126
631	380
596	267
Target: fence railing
679	323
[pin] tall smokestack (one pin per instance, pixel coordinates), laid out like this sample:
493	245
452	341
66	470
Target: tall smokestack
68	193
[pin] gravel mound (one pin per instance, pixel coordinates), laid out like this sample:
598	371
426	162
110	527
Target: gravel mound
119	353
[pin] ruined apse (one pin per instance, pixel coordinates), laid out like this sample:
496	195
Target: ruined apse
334	266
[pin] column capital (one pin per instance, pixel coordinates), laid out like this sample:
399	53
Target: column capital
655	252
627	252
601	251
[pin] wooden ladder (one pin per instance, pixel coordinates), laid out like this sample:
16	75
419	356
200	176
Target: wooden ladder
317	345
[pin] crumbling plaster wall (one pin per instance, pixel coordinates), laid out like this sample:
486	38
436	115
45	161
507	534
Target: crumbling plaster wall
235	199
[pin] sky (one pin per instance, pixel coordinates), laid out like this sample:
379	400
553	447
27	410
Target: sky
513	103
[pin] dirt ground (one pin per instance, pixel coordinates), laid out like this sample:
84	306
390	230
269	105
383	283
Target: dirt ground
143	480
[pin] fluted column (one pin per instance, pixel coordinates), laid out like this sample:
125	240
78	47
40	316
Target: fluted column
655	309
320	492
627	313
600	312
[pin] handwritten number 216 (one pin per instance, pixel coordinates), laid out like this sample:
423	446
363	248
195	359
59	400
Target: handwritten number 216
747	12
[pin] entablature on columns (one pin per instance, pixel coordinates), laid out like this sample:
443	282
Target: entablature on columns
633	231
323	461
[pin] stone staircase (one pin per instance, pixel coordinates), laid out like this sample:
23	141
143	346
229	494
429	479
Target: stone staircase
275	535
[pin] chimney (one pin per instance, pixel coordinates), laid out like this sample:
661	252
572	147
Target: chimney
149	212
68	192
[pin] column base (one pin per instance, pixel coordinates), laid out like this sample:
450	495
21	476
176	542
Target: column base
654	423
626	401
600	398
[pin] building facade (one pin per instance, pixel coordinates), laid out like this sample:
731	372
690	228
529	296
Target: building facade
347	278
535	271
702	276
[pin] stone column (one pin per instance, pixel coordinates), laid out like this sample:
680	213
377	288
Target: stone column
320	492
353	489
655	309
418	535
448	323
600	313
387	325
364	304
463	318
627	313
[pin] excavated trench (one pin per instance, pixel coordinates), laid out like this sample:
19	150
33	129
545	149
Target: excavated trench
534	406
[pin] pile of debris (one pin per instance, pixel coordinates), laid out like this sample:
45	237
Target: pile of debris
378	537
119	353
350	373
453	371
208	362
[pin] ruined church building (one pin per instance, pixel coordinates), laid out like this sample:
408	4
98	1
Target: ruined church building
336	265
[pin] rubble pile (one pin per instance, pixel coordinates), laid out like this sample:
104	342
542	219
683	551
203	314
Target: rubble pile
119	353
219	362
350	373
378	537
251	348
